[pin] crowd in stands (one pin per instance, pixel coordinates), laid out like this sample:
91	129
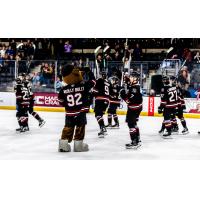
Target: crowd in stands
24	53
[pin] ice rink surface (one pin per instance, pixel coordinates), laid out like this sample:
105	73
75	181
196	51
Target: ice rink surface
42	143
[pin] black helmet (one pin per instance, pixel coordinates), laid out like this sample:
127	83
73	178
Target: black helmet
18	81
104	74
165	80
134	77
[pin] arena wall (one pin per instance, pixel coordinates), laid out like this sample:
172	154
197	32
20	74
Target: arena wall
49	102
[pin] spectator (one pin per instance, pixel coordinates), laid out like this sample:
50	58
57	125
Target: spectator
47	74
68	49
58	83
100	62
137	53
184	80
197	57
3	51
10	51
36	79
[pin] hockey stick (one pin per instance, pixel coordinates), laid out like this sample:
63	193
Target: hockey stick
122	77
96	63
104	59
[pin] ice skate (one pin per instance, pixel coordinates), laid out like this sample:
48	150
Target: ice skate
115	125
161	131
108	126
41	123
22	129
133	145
167	135
101	134
175	130
185	131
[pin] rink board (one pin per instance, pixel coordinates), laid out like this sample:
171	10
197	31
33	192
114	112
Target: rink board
49	102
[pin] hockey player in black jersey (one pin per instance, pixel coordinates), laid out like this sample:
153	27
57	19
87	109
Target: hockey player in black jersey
22	104
114	90
131	94
179	109
101	94
168	105
74	96
31	111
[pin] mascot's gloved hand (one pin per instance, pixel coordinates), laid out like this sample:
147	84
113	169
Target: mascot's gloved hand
160	110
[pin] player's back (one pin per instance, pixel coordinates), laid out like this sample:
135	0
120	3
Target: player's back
169	96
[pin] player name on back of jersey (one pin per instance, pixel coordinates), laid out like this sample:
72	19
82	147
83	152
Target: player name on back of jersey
72	90
171	89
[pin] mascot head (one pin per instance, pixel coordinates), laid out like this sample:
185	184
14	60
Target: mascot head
71	74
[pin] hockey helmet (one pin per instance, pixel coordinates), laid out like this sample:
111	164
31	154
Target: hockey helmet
104	74
134	77
165	80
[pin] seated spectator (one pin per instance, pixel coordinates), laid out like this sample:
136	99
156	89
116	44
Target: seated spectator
58	83
36	79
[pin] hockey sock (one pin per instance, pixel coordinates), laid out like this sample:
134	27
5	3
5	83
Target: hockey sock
100	121
183	122
163	126
174	123
36	116
168	125
109	118
116	119
133	134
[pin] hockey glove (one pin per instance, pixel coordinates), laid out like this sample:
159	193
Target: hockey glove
160	110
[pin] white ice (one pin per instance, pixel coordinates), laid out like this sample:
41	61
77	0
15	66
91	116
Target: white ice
42	143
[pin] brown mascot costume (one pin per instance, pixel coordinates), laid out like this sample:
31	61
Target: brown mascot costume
71	96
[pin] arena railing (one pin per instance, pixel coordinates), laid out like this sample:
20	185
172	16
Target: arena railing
44	74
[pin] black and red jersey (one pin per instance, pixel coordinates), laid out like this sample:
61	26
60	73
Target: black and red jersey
132	96
101	90
114	93
22	95
169	97
181	100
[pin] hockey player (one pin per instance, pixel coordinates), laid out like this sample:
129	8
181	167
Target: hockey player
168	105
101	94
22	104
132	96
114	101
181	107
73	96
27	85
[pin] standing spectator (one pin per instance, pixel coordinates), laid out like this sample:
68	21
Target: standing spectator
184	81
137	52
197	57
3	51
187	56
68	49
10	51
31	50
47	74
